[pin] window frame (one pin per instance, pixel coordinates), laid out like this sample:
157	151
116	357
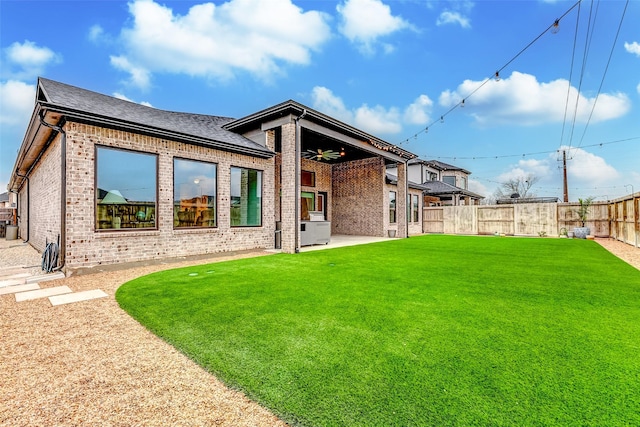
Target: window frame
215	196
415	208
393	219
261	173
312	178
96	165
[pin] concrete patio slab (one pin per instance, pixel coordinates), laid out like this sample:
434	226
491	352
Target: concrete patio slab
77	297
42	293
15	275
19	288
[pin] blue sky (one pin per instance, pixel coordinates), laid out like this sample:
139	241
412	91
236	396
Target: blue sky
390	67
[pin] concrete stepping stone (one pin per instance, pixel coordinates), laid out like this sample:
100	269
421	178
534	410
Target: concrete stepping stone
77	297
19	288
11	282
14	276
42	293
45	277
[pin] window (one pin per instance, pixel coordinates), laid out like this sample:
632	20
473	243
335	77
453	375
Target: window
308	179
433	176
449	180
307	203
194	194
463	183
415	208
126	189
392	207
246	197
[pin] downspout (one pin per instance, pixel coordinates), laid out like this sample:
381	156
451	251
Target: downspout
63	190
18	202
407	206
297	186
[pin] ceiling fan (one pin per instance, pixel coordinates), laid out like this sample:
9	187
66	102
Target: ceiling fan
322	154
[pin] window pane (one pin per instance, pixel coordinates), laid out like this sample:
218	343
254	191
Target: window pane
416	208
392	207
307	204
246	197
126	189
194	194
449	180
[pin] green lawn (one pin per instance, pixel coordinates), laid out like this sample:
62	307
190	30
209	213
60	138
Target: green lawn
431	330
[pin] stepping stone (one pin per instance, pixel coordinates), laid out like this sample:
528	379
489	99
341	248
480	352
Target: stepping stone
42	293
45	277
15	276
76	297
11	282
19	288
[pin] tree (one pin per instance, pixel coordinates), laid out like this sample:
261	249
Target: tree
519	187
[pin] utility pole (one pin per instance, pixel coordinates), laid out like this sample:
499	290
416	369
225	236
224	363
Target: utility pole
564	174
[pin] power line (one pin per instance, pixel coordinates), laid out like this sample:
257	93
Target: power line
495	75
599	144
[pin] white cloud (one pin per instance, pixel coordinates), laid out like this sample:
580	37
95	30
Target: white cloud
325	101
521	99
633	48
587	169
16	103
30	59
364	21
216	41
125	98
526	168
376	120
418	112
448	17
478	187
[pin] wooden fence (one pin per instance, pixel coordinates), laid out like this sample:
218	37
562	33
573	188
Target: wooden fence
618	219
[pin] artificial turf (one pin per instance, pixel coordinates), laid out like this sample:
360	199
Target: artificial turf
430	330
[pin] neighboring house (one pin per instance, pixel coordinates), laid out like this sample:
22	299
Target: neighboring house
7	212
117	182
442	183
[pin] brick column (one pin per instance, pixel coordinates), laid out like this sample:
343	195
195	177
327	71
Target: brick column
401	201
289	198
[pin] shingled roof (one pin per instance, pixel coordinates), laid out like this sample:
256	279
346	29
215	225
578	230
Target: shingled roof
91	106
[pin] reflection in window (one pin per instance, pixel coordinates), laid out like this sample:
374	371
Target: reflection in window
449	180
246	197
194	194
307	204
392	207
126	189
415	208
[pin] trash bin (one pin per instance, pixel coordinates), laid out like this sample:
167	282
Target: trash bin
12	232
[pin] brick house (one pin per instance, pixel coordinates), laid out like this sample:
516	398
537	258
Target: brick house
114	181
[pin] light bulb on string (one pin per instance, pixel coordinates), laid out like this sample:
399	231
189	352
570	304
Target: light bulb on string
441	119
462	103
555	27
497	76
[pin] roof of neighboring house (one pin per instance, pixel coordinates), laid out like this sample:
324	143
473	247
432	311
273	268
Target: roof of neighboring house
85	104
392	179
440	188
444	166
4	197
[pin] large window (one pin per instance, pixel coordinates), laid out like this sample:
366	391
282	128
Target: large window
246	197
307	204
126	189
392	207
415	208
194	194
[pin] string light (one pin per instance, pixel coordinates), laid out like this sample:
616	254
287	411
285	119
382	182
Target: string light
555	27
497	76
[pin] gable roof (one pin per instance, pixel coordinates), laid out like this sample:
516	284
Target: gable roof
445	166
91	106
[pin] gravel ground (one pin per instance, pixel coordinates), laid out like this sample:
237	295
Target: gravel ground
89	363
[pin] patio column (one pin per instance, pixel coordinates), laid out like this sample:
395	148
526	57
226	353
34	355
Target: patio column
402	213
289	196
